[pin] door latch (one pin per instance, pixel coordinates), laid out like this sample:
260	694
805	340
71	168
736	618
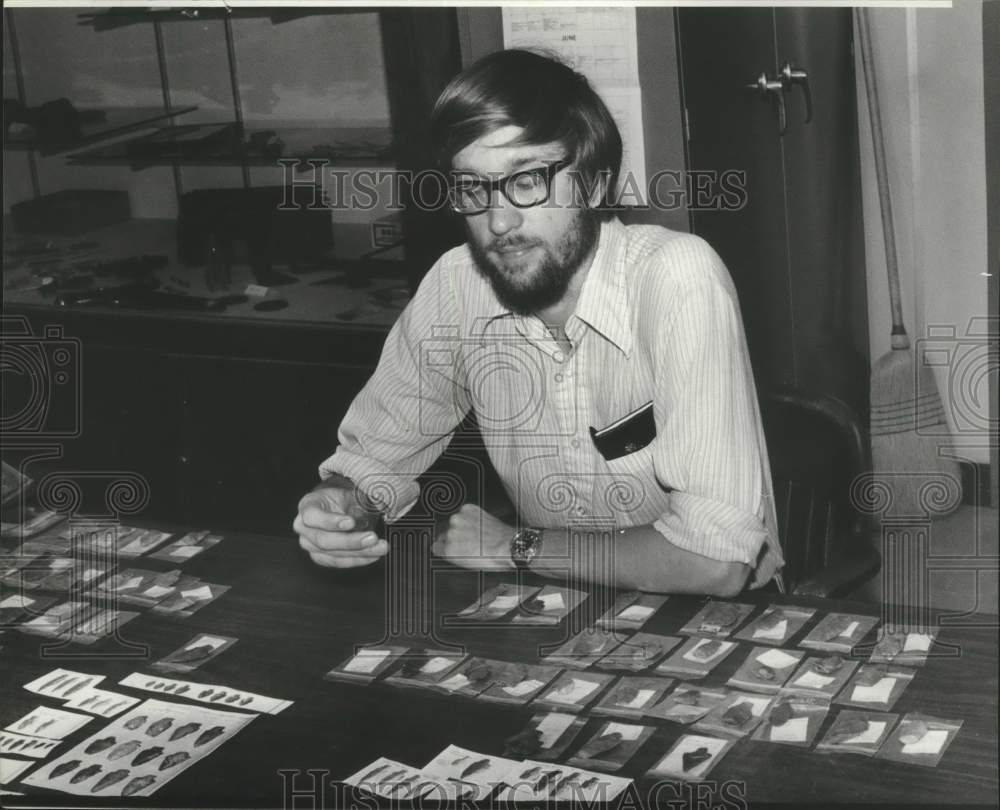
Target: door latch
792	77
773	89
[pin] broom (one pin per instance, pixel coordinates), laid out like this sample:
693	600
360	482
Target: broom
904	396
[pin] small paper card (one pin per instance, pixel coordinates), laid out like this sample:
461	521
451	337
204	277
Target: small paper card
856	732
612	746
717	619
472	677
189	595
690	758
687	703
74	574
875	686
631	610
140	586
58	620
103	624
766	669
366	664
585	648
32	574
547	736
101	702
823	677
10	769
34	519
639	652
574	691
390	780
545	781
696	658
737	715
920	739
776	625
214	694
52	724
907	648
197	651
424	668
62	684
631	696
188	546
497	602
25	746
462	774
19	607
517	683
549	606
793	720
839	632
136	542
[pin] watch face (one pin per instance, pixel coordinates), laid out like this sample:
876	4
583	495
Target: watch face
524	546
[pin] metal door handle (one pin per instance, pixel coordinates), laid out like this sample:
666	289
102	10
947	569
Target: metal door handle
790	77
775	89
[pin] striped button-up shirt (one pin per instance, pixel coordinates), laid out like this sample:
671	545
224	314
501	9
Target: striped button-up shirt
657	321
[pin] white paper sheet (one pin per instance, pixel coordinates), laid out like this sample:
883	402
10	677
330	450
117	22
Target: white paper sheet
437	664
849	630
869	736
10	769
794	730
930	743
775	633
636	613
674	761
553	601
101	702
776	659
813	680
917	642
578	691
553	726
628	731
522	688
641	699
877	693
366	661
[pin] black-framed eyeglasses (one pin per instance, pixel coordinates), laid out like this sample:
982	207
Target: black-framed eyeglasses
469	195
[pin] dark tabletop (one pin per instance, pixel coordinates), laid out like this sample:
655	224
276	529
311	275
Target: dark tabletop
295	621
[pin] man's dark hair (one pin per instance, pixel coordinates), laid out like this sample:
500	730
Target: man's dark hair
549	100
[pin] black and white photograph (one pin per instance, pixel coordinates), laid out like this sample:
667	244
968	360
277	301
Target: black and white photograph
539	403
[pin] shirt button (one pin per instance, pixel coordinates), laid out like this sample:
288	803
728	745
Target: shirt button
559	378
558	357
575	443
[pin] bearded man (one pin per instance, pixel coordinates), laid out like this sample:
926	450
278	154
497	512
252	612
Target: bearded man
606	365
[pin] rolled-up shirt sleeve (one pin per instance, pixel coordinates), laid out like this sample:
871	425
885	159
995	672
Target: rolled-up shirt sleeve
402	419
709	448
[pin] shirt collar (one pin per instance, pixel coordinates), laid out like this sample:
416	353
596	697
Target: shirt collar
603	303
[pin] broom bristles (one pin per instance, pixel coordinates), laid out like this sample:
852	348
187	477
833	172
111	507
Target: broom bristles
908	427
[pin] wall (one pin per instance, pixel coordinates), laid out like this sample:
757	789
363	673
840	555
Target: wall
321	70
929	67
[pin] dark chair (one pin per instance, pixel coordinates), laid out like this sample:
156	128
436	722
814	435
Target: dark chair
817	448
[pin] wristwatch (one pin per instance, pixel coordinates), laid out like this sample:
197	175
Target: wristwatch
525	546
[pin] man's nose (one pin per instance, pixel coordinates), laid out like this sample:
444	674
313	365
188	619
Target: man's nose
503	215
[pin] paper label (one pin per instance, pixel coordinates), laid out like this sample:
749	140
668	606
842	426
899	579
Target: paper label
129	585
455	682
204	592
522	688
553	601
850	629
10	769
578	691
184	552
674	761
776	659
157	591
640	700
776	632
635	613
869	736
930	743
627	730
436	664
255	290
813	680
553	726
693	655
917	642
794	730
878	693
505	602
367	661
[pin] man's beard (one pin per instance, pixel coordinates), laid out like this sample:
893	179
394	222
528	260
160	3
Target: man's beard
526	294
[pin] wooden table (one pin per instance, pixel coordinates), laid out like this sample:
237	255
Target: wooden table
295	621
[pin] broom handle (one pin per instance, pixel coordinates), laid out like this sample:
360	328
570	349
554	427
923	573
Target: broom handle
900	340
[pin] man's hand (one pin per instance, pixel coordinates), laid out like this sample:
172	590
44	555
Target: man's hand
329	533
475	539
